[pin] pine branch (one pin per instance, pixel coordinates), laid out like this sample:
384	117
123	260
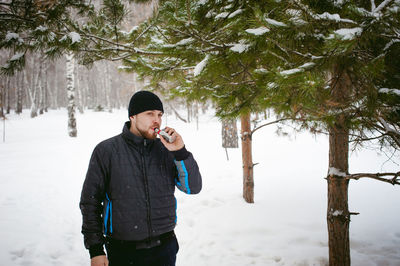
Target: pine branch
119	46
9	16
378	176
267	124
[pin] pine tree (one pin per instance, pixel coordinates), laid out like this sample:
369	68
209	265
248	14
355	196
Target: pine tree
337	78
327	65
200	47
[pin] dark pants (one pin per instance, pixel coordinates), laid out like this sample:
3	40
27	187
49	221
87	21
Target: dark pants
125	254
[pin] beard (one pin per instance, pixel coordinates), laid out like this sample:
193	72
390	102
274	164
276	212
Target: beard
148	134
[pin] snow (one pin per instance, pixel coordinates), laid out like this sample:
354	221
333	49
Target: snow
387	127
338	3
42	172
336	213
180	43
381	6
334	17
17	56
335	171
386	90
132	30
222	15
200	66
258	31
275	23
11	35
239	47
261	71
348	34
41	28
185	41
74	36
235	13
307	65
291	71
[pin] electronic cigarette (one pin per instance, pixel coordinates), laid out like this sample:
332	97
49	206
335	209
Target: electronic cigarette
165	135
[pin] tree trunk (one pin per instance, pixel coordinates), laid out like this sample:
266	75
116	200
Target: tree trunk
107	84
72	131
33	92
338	215
46	87
8	96
2	100
229	134
80	85
20	91
248	180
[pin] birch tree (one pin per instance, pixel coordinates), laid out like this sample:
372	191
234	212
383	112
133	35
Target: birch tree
70	65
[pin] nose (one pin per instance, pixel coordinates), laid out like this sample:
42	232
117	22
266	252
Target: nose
157	120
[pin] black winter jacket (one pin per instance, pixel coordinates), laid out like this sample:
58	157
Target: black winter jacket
128	193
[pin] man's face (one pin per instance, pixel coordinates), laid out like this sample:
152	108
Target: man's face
143	124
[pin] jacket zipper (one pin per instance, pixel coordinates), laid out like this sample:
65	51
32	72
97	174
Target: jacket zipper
146	186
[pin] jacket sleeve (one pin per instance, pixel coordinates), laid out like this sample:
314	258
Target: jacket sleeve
188	177
91	202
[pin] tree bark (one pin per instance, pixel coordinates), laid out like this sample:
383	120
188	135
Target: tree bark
2	100
248	179
72	131
8	95
229	134
338	215
20	91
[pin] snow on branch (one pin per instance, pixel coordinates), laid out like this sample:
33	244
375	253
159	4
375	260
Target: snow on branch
258	31
239	47
200	66
333	17
381	6
297	70
274	22
373	6
348	34
386	90
17	56
387	127
323	16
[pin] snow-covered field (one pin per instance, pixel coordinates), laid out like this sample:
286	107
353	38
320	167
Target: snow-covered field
42	171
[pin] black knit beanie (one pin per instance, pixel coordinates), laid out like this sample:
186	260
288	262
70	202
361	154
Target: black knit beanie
143	101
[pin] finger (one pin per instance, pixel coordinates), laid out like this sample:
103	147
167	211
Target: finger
163	141
169	130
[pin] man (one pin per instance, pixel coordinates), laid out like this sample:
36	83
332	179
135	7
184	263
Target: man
127	200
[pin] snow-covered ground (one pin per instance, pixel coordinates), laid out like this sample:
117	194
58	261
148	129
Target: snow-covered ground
42	171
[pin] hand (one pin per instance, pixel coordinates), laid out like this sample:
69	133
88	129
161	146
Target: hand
99	261
177	144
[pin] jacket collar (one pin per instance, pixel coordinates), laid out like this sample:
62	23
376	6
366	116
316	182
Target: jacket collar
130	137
